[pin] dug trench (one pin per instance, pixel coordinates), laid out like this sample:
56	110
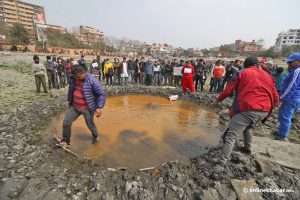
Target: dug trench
32	169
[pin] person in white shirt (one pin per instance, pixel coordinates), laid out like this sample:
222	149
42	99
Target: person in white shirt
124	71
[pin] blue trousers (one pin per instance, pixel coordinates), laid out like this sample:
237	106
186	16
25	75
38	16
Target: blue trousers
285	115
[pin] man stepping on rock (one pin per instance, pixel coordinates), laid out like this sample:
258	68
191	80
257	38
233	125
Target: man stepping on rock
255	97
86	97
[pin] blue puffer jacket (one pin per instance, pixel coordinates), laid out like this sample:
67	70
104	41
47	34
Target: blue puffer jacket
92	90
290	88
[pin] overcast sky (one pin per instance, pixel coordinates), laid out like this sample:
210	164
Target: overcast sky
181	23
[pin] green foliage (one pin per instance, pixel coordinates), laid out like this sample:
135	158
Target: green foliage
20	67
56	38
288	50
226	48
18	35
4	30
285	51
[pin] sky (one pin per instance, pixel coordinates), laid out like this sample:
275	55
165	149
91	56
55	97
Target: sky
181	23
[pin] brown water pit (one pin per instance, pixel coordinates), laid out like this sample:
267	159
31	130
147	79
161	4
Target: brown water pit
141	131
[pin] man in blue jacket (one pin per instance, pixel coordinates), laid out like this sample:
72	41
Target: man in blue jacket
86	97
289	96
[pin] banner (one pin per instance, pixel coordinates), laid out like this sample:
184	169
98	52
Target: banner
177	71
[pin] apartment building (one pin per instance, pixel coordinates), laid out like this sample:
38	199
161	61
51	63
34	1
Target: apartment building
291	37
89	35
27	14
247	47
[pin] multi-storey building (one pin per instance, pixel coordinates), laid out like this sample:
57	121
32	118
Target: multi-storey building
27	14
89	35
291	37
244	47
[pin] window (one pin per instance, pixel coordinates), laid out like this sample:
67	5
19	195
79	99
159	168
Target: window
283	41
284	37
291	37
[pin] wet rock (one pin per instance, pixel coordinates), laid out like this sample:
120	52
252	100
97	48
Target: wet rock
210	194
270	184
35	190
12	188
54	194
226	191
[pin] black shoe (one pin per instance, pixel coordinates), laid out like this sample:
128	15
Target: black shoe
245	151
96	139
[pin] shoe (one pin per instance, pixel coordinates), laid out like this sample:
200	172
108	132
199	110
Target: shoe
281	139
96	139
245	151
218	168
64	144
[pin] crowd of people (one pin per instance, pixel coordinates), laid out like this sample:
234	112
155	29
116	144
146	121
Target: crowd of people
191	75
258	86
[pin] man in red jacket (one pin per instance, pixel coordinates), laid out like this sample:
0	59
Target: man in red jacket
255	97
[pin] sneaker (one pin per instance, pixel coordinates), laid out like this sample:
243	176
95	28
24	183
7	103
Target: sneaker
64	144
96	139
281	139
245	151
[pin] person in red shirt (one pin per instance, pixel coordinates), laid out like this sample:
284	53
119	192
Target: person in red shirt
218	75
187	77
255	97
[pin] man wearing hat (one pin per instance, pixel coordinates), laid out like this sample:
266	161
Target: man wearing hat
289	96
255	97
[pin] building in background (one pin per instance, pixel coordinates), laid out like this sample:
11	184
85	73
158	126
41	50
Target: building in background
161	50
89	35
27	14
245	48
291	37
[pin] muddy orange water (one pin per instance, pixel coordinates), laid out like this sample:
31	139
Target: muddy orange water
143	131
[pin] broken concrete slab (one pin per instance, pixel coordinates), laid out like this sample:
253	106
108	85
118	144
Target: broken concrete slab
283	153
243	189
210	194
226	191
271	184
267	166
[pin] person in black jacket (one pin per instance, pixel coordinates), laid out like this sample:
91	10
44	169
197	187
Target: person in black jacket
168	74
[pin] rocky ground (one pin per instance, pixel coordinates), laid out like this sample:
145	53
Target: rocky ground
31	169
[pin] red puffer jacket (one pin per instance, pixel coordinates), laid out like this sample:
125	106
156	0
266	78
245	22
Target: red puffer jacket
254	90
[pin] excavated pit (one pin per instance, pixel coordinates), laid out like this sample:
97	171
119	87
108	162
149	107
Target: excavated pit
139	131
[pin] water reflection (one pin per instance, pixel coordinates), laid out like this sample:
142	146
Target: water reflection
142	131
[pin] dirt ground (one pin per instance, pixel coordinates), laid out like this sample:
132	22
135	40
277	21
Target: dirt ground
31	169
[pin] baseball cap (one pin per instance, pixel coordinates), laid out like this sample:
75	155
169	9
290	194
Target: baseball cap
250	61
262	60
293	57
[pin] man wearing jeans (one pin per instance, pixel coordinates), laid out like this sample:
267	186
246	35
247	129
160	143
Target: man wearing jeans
86	97
131	69
255	97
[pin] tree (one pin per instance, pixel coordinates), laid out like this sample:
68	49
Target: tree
270	53
56	38
260	42
226	48
19	35
288	50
